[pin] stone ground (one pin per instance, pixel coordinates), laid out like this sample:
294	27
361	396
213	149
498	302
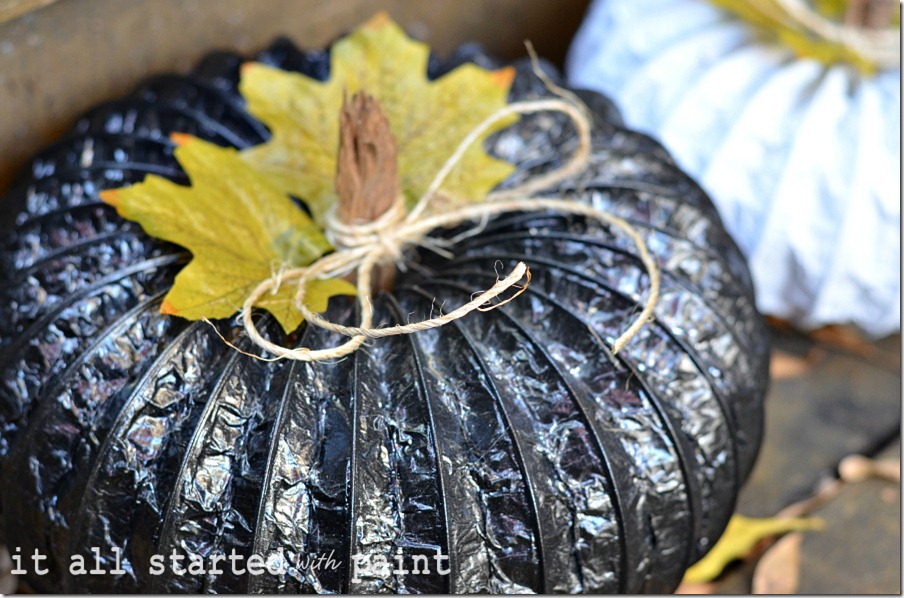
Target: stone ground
832	395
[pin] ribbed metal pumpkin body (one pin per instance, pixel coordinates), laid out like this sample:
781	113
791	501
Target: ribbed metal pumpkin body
512	442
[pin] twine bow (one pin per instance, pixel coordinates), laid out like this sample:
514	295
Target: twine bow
361	248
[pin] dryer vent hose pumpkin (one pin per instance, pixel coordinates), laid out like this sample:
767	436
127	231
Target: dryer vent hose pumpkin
507	451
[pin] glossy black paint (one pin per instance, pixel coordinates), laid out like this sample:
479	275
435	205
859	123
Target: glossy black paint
512	441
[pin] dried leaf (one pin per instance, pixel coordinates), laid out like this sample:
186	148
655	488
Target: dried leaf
687	587
785	365
827	490
428	118
239	228
739	539
849	339
857	468
778	571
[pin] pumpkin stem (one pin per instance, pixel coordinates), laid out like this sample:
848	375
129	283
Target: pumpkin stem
870	14
367	177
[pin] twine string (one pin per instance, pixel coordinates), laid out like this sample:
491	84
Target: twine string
363	247
878	46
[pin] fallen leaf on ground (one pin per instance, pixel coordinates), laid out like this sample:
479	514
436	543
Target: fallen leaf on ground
778	571
785	365
739	540
827	490
687	587
853	342
845	337
857	468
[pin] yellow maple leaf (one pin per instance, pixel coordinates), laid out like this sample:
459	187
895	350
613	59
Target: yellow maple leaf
427	118
739	539
239	228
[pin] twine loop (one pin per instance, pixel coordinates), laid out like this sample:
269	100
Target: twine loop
343	235
362	247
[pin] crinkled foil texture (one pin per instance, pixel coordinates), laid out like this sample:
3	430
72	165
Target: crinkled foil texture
512	441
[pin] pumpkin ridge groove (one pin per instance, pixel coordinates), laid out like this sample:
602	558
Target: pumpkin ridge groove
51	378
228	98
314	446
137	402
726	416
199	124
76	144
74	212
620	185
163	170
60	400
686	347
204	424
36	325
467	405
533	418
66	251
335	452
666	275
255	585
61	153
301	413
353	475
18	196
676	439
713	303
248	463
434	432
527	474
620	488
394	465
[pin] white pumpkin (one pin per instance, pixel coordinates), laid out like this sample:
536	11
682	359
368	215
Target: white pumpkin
802	158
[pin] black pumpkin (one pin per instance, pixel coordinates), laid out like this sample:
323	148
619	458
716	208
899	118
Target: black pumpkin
512	441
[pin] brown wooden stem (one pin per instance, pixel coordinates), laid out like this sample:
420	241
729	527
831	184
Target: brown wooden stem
871	14
367	177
